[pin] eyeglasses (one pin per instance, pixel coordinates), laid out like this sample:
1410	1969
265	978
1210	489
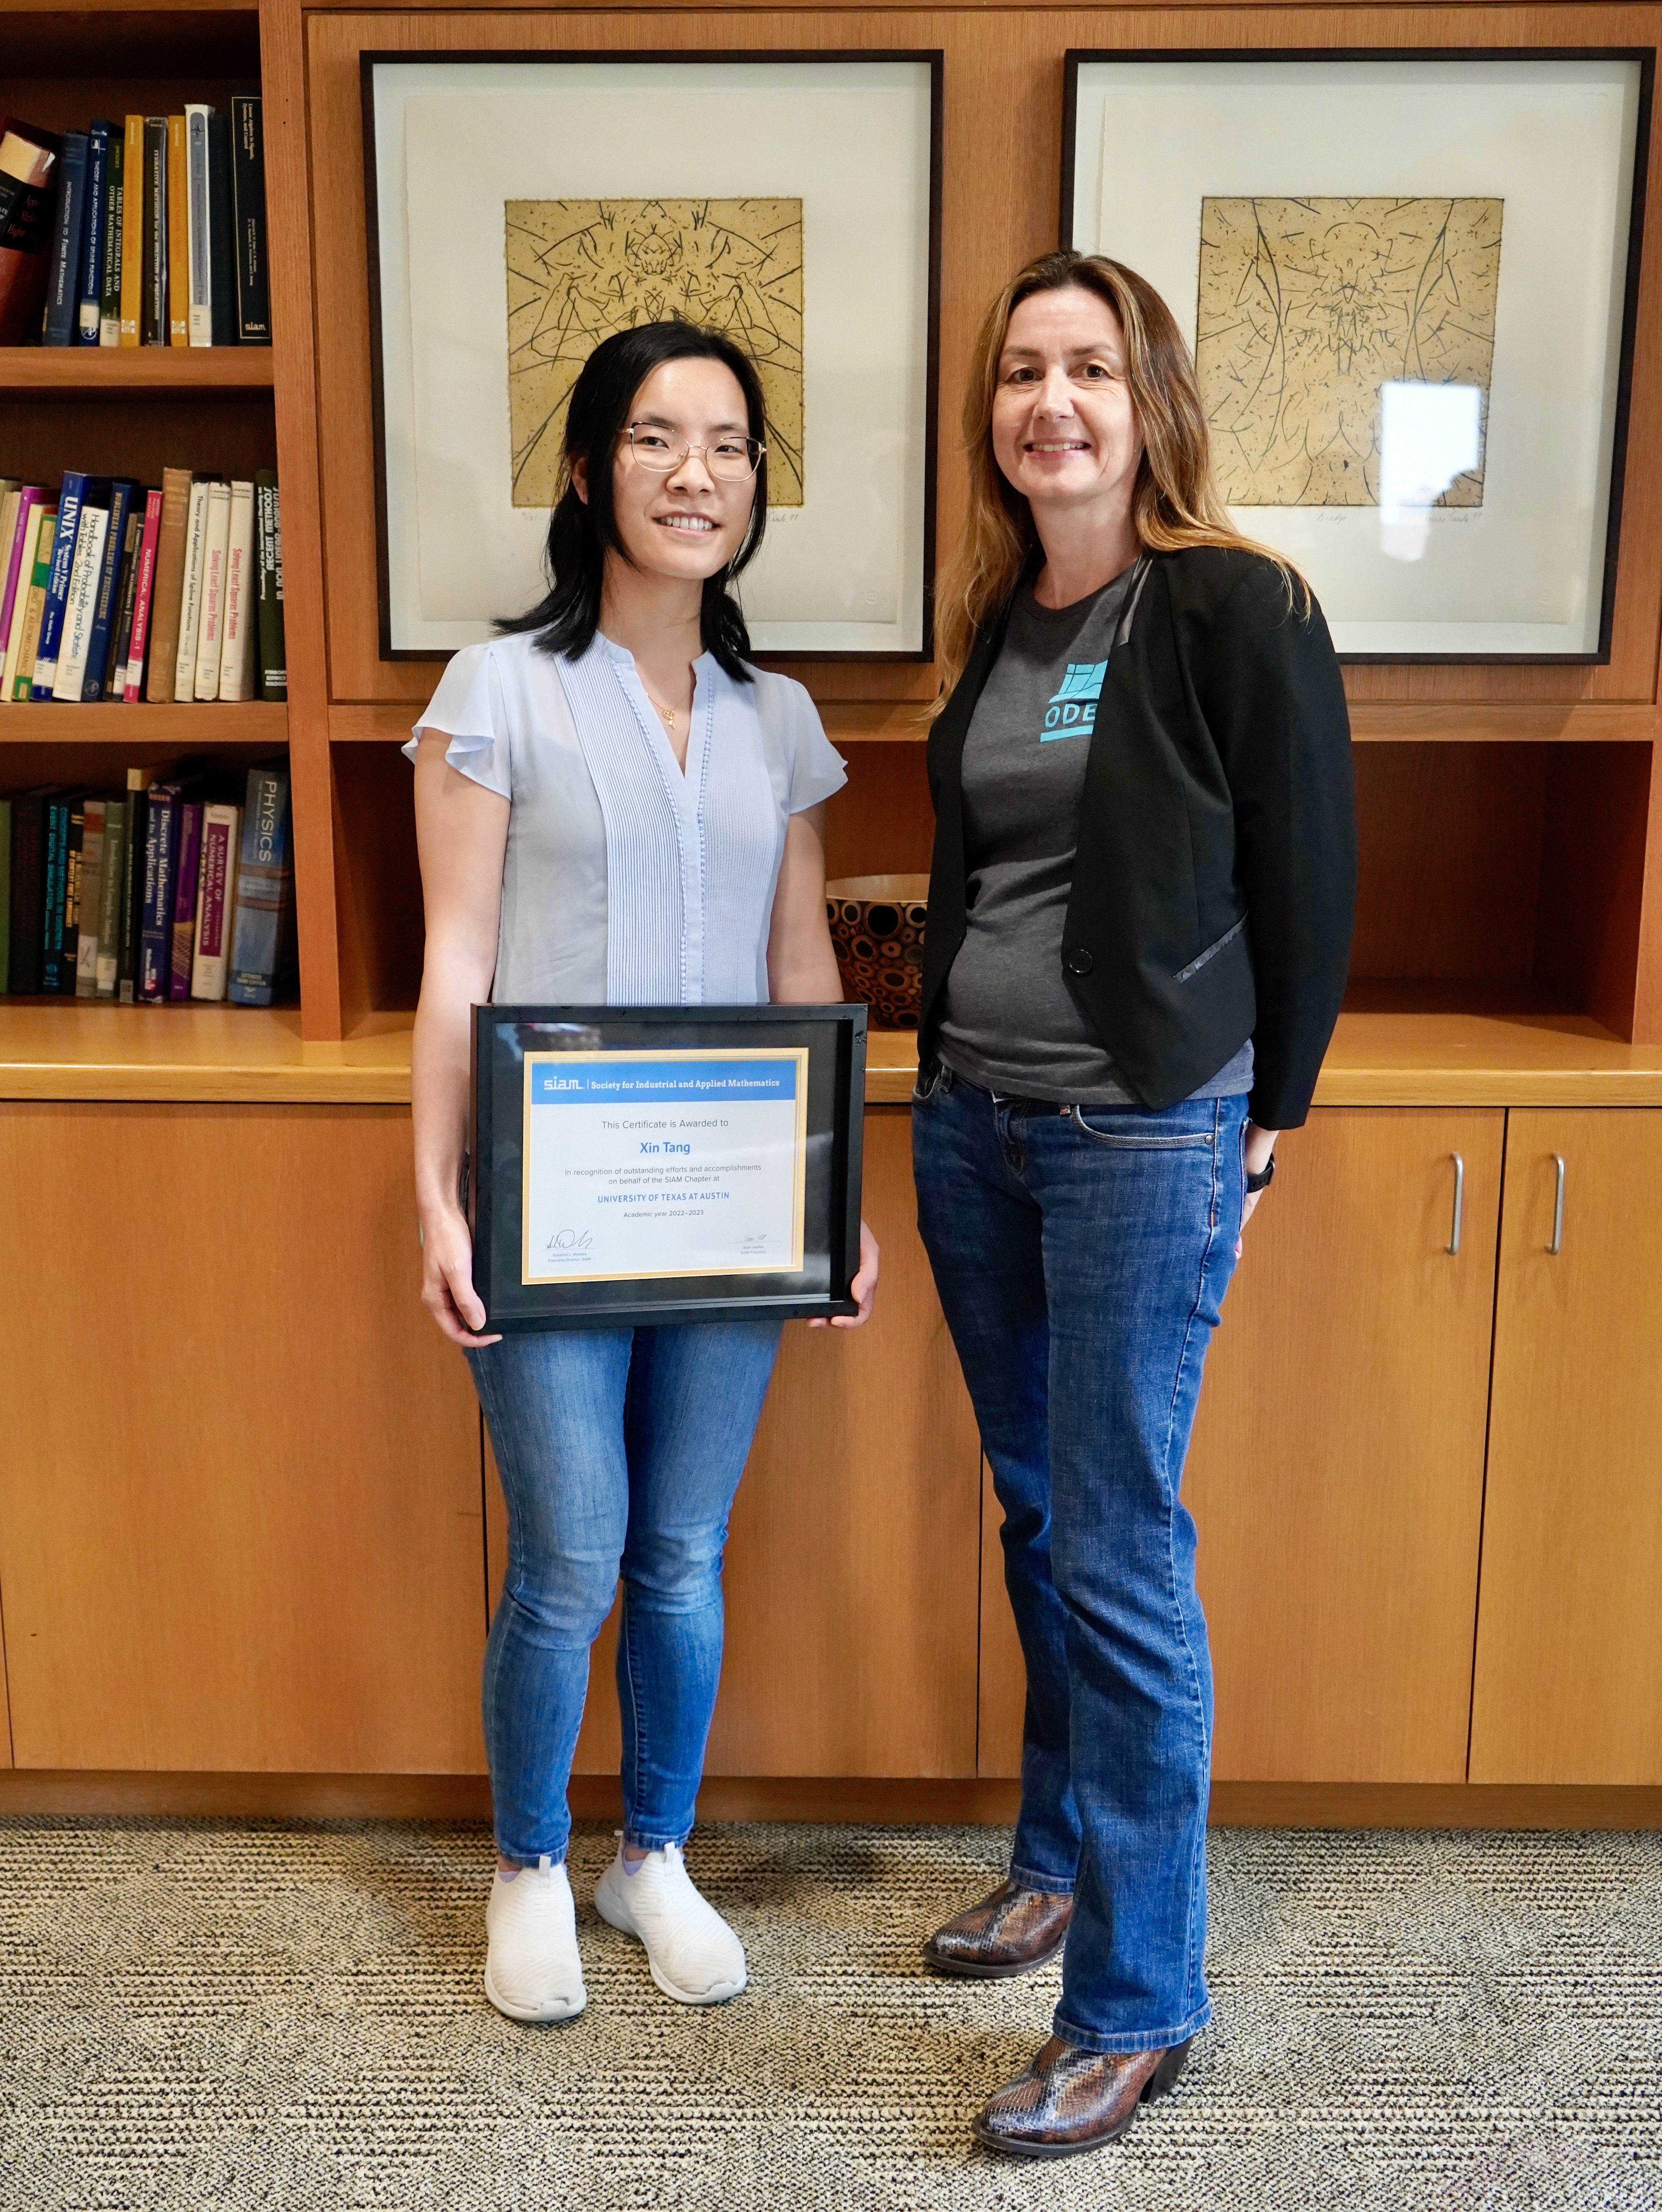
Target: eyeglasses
731	459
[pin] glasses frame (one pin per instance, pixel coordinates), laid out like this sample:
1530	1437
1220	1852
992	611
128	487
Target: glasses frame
754	447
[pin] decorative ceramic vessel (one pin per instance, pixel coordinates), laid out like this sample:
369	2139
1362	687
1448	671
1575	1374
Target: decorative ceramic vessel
878	929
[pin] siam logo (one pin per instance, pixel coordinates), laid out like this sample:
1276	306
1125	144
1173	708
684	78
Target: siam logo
1072	709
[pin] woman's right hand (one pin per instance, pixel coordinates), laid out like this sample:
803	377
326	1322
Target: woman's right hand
447	1291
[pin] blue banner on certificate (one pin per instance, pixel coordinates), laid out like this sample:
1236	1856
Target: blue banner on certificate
643	1165
657	1163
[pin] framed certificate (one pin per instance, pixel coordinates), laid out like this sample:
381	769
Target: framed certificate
665	1163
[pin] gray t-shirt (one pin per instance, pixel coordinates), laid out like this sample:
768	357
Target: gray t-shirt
1010	1022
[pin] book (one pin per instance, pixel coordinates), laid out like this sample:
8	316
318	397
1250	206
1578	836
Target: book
28	498
28	845
209	964
68	222
178	235
248	199
262	931
169	588
143	598
236	659
156	940
198	230
132	229
92	235
105	610
59	924
5	890
109	297
139	780
152	300
20	654
187	881
10	499
112	886
268	557
190	605
221	232
210	638
89	897
29	192
70	944
81	599
121	624
70	496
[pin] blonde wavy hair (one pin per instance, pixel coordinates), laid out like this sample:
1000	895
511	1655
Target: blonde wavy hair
1175	502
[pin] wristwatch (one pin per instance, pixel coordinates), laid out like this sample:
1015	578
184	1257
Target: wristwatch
1264	1178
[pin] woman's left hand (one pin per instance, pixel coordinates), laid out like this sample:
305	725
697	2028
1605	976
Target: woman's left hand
1260	1143
863	1287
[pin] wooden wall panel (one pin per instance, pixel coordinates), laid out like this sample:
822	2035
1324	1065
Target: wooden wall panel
240	1499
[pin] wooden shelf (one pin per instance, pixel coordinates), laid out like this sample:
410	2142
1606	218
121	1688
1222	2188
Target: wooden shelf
252	1056
140	369
144	727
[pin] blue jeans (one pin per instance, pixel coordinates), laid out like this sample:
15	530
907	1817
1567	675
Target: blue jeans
1081	1255
619	1452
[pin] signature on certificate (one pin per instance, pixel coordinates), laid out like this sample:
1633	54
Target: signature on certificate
568	1243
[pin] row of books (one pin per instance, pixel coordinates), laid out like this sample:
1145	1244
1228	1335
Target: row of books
147	233
174	889
111	592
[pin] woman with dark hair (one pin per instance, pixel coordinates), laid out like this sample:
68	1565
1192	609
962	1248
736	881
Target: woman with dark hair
613	807
1139	925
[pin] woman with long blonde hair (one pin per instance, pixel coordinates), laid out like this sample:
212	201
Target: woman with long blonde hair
1139	924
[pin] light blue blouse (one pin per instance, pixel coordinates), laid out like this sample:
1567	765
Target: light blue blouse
627	882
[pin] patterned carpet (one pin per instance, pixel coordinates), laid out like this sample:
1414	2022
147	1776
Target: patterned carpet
203	2014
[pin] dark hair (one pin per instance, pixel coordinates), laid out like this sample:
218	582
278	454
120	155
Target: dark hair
582	532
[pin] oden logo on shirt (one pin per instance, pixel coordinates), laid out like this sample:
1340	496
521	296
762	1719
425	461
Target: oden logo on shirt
1073	710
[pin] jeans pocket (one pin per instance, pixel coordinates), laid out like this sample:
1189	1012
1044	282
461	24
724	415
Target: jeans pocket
1127	1130
931	1076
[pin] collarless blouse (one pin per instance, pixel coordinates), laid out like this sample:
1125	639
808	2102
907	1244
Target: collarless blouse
627	882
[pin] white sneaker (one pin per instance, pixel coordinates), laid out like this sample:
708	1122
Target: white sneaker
694	1955
533	1971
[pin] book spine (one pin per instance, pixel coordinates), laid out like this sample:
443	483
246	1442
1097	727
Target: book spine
221	233
121	630
153	326
69	221
92	235
113	884
29	838
187	885
155	943
28	195
248	195
219	861
201	308
52	888
210	638
34	606
190	606
80	600
58	582
109	298
132	230
236	661
264	890
5	894
166	604
178	235
89	899
143	598
268	546
28	499
133	884
34	528
71	938
106	611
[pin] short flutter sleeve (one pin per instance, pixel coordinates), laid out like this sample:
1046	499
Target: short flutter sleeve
815	768
469	708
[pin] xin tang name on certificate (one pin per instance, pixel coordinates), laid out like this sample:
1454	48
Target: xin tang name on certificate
665	1163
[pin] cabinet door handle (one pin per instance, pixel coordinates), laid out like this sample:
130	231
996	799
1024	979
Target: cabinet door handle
1557	1244
1453	1247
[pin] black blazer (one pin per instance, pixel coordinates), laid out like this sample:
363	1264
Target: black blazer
1213	885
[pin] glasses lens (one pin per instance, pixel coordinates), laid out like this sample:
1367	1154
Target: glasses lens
731	459
734	456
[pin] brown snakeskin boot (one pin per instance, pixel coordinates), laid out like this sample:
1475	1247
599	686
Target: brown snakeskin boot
1070	2099
1011	1932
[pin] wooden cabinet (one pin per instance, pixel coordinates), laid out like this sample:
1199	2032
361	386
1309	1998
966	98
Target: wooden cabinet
852	1562
1337	1467
241	1501
1568	1679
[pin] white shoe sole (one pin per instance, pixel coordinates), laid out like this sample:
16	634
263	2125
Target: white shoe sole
720	1995
538	2015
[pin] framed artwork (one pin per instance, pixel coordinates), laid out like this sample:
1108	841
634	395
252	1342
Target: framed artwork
522	206
1408	281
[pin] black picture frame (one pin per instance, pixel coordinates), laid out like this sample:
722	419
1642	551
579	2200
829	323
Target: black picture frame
835	1039
934	56
1077	57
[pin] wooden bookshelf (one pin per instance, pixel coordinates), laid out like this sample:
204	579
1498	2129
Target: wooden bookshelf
135	370
180	728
